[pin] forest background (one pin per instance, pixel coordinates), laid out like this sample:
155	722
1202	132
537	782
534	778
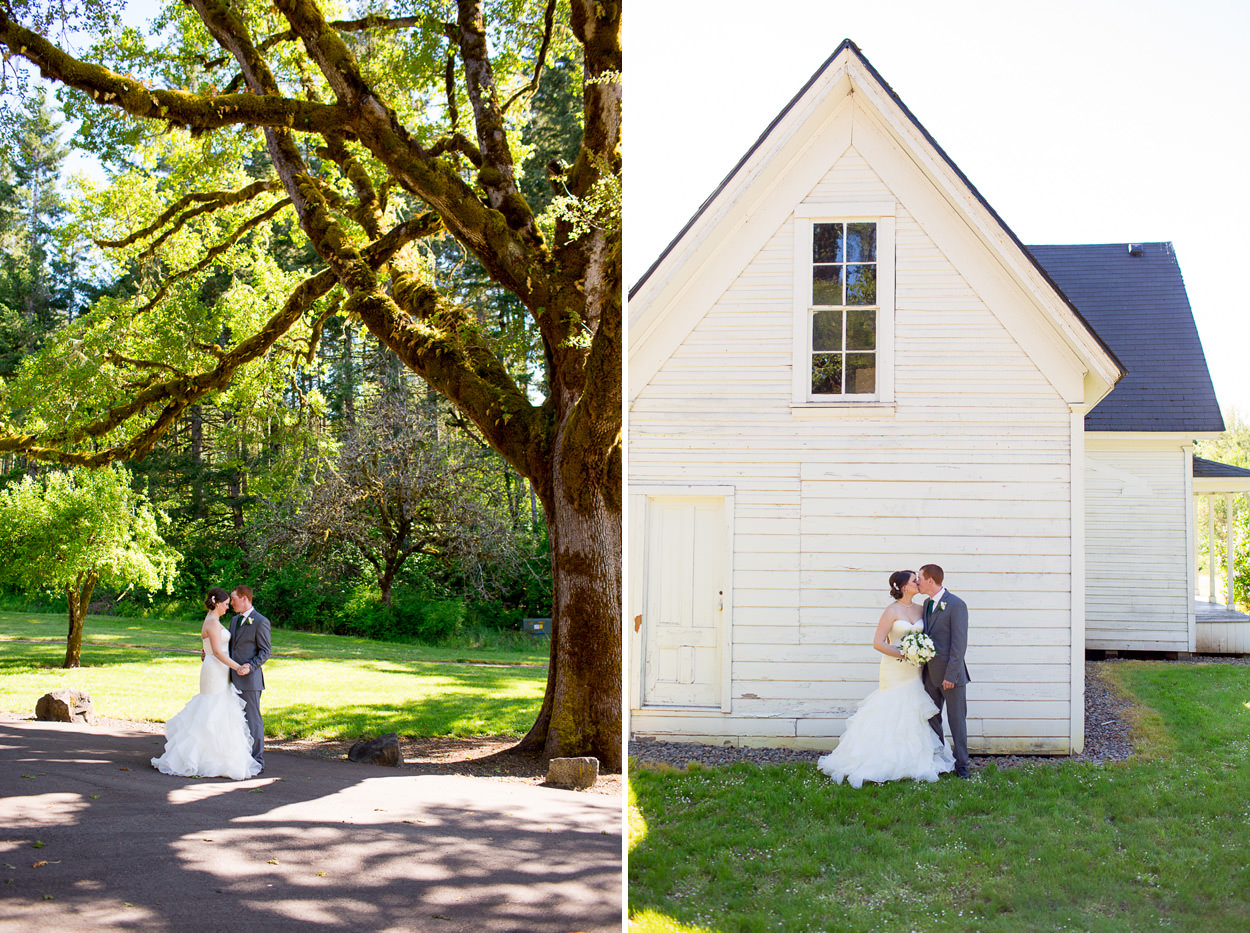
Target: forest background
352	498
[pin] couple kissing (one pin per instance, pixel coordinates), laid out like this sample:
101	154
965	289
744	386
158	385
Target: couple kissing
897	731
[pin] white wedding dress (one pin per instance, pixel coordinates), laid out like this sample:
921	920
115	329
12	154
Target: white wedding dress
209	736
889	737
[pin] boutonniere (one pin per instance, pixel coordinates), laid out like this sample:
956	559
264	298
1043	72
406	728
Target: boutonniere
942	604
248	621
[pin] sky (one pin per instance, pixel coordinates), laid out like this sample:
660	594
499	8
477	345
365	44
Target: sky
1095	121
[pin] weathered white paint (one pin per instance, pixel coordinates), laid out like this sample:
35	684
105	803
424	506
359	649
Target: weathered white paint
971	467
706	553
1140	546
845	109
881	214
1211	562
683	593
971	456
1229	486
1223	637
1076	694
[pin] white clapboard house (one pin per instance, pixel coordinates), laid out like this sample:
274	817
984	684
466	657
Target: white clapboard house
846	364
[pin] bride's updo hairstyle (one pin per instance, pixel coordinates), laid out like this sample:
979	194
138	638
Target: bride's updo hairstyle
898	580
218	595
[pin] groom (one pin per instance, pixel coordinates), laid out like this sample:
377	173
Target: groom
249	645
946	676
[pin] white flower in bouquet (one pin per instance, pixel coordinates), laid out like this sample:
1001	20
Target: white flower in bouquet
917	648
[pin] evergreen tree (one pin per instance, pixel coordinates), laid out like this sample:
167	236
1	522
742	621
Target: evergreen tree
39	210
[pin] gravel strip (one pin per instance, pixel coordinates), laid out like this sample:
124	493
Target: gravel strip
1107	733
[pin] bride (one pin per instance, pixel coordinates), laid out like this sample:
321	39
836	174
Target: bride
889	737
209	736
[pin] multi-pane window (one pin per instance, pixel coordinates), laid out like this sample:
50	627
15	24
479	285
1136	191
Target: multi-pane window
844	308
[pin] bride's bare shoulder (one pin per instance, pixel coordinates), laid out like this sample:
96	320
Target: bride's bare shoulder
892	612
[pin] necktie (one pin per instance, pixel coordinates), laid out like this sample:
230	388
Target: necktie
928	608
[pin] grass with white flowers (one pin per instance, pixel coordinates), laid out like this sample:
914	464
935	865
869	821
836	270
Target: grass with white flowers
1160	842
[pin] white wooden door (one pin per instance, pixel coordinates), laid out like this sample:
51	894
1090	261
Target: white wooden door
684	601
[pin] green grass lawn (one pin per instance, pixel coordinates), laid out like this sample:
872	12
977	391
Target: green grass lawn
1161	842
317	686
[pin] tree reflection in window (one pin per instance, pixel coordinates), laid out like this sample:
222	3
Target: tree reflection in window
844	309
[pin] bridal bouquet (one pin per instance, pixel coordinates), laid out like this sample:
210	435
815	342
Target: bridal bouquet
917	648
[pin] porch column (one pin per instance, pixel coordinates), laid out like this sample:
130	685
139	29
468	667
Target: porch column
1228	548
1211	548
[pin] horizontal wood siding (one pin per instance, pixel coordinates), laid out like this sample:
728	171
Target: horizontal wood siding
1137	591
970	470
1223	637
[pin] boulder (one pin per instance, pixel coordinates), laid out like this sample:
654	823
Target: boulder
573	772
379	751
65	705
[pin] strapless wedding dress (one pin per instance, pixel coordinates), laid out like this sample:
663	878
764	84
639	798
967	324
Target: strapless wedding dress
889	737
209	736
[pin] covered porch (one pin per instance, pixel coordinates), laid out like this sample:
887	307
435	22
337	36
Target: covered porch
1221	629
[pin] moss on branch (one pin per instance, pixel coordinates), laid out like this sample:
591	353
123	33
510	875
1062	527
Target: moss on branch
208	200
175	108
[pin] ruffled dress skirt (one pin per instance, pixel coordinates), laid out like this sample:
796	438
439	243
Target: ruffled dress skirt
889	737
209	738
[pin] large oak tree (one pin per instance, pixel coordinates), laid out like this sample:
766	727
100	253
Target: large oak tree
381	128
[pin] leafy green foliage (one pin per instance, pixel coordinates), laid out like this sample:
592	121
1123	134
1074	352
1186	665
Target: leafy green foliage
59	525
408	617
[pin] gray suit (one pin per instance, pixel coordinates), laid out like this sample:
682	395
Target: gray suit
249	644
947	624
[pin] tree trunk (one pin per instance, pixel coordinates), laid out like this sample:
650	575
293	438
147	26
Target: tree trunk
386	580
197	461
78	595
581	711
234	493
349	378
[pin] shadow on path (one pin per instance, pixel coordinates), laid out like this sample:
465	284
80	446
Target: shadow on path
309	845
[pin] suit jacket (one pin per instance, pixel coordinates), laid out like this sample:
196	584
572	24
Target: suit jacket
949	630
249	644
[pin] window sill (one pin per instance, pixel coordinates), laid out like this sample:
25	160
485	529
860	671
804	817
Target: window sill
846	409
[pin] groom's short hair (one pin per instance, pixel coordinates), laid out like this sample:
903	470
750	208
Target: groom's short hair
244	591
933	572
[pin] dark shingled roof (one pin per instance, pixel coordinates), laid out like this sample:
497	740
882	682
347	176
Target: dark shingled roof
1139	308
1209	469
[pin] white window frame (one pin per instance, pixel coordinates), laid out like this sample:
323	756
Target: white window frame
805	219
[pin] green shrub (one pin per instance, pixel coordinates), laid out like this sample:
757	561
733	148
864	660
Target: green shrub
437	621
152	606
363	614
492	616
206	565
293	595
410	616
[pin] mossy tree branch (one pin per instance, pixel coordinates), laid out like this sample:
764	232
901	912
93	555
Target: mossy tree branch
173	396
177	108
211	255
208	201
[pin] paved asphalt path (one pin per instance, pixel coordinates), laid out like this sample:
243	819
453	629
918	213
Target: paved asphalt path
309	845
